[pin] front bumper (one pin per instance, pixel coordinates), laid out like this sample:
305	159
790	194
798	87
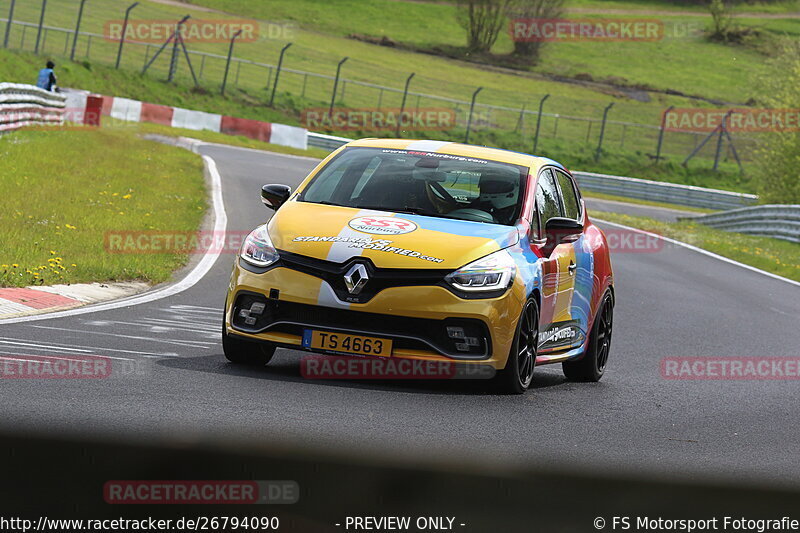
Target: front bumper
416	318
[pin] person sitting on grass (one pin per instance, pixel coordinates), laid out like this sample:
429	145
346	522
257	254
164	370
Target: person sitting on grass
47	78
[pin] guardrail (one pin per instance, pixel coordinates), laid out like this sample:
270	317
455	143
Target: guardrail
326	142
27	105
778	221
656	191
659	191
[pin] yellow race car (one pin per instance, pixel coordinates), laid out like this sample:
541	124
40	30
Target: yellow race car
431	251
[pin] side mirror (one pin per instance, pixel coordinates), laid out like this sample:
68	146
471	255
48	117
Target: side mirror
560	230
275	195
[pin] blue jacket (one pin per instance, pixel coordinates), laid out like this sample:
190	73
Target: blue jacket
47	79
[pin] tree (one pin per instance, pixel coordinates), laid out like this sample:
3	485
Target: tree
778	156
483	20
721	19
525	10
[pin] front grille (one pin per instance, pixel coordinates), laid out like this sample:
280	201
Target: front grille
406	332
379	278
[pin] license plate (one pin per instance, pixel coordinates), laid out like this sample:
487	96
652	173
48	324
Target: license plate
346	344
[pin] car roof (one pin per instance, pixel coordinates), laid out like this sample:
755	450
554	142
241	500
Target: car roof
465	150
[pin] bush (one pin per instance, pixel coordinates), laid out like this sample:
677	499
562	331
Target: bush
778	156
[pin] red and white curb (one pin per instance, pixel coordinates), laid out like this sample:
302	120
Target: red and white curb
17	302
80	106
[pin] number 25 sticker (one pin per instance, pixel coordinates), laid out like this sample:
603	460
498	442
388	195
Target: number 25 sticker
382	225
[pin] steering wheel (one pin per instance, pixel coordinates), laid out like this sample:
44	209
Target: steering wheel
439	193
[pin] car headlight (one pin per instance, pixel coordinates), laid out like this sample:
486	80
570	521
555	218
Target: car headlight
491	273
257	248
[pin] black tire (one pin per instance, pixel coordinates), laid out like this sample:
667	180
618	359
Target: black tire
244	352
517	376
592	366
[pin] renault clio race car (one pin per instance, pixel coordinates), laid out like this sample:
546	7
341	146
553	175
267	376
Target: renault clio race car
432	251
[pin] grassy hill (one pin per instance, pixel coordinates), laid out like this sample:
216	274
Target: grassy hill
319	33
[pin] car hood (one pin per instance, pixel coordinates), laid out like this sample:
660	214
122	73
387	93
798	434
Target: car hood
389	240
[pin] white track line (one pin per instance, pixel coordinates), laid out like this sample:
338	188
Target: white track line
71	347
197	309
700	251
187	344
199	271
14	358
46	346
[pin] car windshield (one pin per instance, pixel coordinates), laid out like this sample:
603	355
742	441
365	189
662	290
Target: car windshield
424	183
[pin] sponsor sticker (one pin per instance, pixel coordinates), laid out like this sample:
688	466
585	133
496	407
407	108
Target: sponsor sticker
561	334
382	225
368	243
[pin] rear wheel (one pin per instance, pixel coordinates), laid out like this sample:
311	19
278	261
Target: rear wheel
592	365
516	377
244	352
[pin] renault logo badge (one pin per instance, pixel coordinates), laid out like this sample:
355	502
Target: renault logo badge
356	278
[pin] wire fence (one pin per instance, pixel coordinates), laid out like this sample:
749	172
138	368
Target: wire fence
84	31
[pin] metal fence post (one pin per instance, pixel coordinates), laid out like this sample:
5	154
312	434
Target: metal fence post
719	141
124	30
471	109
521	120
228	63
173	64
708	138
403	103
661	132
77	31
8	24
278	74
336	83
603	130
539	123
41	25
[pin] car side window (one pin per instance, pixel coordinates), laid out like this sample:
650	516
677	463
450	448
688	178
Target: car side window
569	196
547	198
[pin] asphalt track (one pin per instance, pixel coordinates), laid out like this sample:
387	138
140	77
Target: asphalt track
670	302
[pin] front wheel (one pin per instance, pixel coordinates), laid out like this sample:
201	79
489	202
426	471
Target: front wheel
592	365
517	376
246	353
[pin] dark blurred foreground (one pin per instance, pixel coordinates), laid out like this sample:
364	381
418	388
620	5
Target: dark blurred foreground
65	479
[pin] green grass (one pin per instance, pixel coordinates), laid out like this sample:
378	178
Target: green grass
634	201
660	5
321	43
661	64
63	190
772	255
